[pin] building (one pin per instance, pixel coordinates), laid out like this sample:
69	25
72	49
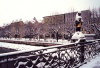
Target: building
69	20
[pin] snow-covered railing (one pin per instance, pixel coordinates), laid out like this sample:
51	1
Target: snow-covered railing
60	56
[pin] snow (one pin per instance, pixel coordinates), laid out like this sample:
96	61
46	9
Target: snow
94	63
78	35
23	63
18	46
54	41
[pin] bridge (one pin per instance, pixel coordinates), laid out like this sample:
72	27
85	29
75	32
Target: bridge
72	55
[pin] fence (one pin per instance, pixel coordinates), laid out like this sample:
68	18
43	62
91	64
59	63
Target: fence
62	56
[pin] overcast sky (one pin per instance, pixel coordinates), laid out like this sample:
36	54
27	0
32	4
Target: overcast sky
28	9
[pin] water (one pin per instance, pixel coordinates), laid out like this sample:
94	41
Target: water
6	50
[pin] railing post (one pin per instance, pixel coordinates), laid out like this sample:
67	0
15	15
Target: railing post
82	53
7	61
59	57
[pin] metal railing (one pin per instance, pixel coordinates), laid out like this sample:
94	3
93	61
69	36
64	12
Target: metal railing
63	56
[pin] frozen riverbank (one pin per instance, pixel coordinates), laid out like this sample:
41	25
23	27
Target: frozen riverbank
52	41
17	46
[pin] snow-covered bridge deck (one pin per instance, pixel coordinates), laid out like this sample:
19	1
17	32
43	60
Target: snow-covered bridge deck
93	63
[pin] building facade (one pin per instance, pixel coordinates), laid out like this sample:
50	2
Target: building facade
68	19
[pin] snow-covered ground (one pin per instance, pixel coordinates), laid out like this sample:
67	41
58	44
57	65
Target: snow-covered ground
18	46
24	47
54	41
94	63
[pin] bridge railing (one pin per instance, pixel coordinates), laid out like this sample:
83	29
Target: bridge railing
61	56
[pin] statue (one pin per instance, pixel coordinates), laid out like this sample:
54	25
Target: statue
78	36
78	22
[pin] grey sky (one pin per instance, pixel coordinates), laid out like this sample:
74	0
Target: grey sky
27	9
